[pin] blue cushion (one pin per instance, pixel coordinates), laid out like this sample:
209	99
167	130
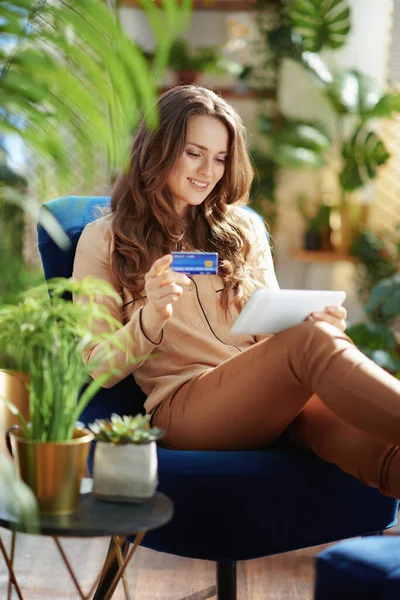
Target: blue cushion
234	505
366	568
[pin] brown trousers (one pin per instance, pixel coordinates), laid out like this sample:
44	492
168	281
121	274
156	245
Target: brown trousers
309	380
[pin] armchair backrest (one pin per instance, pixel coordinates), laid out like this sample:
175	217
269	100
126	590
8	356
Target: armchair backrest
73	213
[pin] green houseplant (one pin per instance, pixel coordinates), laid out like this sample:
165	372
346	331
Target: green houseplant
125	459
354	98
378	279
376	337
378	257
262	193
317	219
188	64
45	336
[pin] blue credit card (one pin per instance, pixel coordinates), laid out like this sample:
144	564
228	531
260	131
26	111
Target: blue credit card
195	263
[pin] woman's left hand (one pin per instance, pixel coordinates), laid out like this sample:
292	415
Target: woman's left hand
335	315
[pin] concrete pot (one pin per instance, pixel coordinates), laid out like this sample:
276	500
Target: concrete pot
125	472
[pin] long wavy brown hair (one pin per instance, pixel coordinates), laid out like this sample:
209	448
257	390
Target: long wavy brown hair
145	223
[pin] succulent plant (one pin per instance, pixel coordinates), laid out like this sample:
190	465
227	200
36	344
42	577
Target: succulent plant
125	430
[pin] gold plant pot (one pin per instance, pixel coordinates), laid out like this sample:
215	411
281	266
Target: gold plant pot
13	386
53	470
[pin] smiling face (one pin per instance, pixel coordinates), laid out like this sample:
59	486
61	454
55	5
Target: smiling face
202	163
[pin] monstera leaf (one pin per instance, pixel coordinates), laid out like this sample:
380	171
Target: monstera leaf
296	144
387	106
321	22
363	154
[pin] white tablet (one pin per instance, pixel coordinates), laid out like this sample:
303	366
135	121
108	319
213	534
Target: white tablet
272	311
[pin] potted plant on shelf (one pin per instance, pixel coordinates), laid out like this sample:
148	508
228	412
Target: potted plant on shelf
45	336
125	458
318	230
188	64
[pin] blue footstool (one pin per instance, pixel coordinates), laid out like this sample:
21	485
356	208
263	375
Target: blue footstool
366	568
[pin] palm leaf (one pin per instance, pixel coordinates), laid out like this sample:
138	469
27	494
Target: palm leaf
73	85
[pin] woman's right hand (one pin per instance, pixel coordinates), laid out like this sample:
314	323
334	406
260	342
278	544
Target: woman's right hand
163	287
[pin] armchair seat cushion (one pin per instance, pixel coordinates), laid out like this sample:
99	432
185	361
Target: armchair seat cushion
224	502
361	568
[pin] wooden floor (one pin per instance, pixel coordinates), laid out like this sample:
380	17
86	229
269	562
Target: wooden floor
153	575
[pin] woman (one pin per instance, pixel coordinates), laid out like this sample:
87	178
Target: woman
210	389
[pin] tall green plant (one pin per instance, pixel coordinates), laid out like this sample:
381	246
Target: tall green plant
46	337
355	99
73	85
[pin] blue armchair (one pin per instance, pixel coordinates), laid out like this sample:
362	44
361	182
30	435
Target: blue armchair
231	506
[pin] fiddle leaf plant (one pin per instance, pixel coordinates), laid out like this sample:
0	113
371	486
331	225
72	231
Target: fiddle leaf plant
125	430
46	336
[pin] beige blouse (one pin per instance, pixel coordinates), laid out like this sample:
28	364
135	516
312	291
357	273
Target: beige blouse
196	338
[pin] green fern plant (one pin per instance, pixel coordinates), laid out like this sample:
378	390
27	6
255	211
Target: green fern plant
73	85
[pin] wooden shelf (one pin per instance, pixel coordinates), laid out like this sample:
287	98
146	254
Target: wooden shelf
220	5
318	256
230	93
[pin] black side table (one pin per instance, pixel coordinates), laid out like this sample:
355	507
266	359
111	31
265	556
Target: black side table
95	518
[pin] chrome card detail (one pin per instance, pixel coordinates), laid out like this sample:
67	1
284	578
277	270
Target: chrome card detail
195	263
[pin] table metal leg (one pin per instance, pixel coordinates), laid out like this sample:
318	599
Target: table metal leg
111	566
12	580
138	540
120	558
108	579
113	570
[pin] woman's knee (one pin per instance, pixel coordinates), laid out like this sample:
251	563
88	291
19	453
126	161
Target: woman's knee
311	344
314	333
